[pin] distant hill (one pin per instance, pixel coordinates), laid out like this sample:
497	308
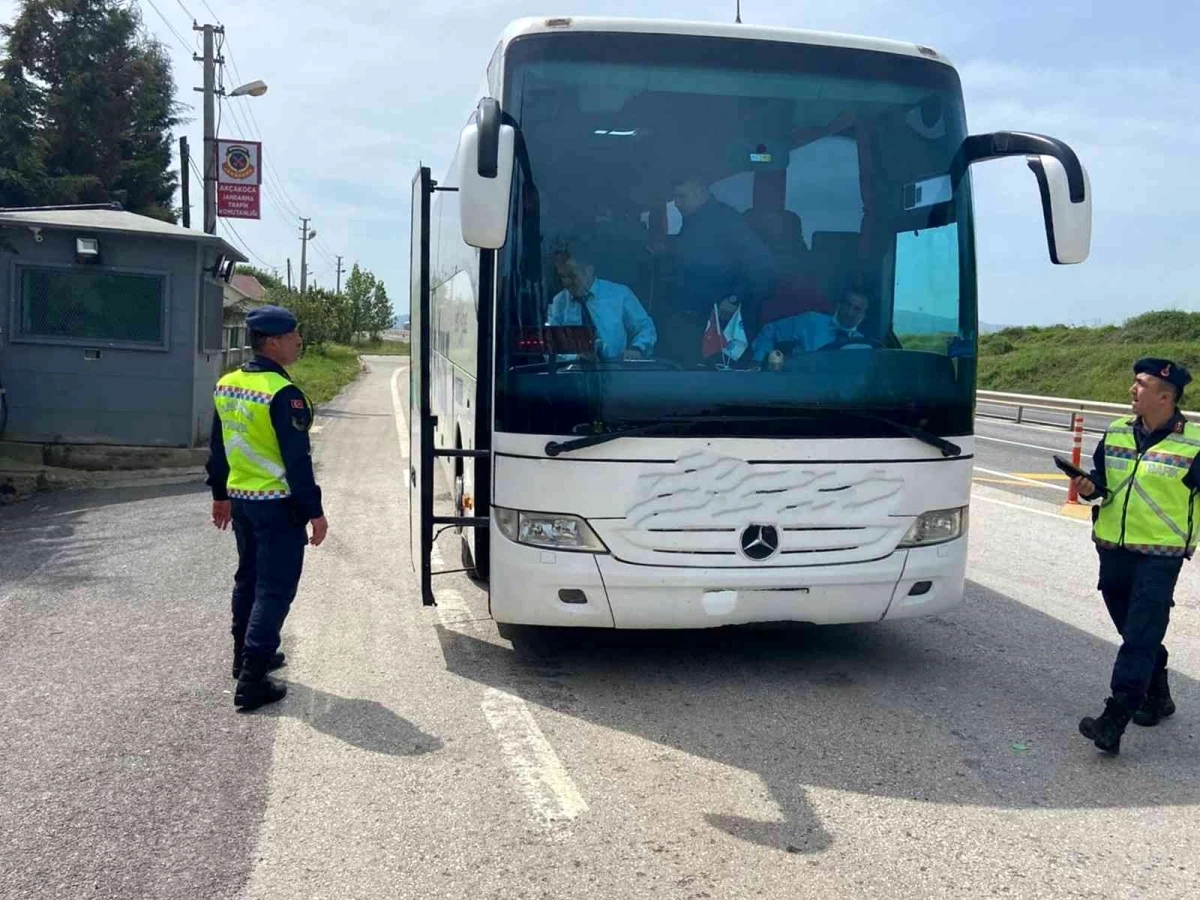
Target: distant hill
1086	363
907	322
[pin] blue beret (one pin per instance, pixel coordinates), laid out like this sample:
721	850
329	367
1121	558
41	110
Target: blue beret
271	320
1164	369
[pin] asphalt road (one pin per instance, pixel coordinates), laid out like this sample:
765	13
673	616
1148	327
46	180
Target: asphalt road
419	755
1018	457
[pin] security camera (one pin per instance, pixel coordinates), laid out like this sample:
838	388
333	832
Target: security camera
37	235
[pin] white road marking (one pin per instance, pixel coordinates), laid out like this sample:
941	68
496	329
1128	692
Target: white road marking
1055	487
538	770
984	437
540	774
1036	512
452	610
1045	426
398	408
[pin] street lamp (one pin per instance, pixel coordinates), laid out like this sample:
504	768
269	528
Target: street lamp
251	88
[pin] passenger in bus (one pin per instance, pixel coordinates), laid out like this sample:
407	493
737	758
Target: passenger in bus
810	330
721	262
623	328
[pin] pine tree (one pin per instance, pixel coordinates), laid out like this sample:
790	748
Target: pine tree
105	113
22	180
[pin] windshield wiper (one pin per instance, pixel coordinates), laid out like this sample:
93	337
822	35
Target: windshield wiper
948	448
554	448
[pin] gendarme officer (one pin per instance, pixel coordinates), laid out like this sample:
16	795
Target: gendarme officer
1146	525
261	475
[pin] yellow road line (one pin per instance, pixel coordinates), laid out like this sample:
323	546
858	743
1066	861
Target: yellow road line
1042	476
1076	511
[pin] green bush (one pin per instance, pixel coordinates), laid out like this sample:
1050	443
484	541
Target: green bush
1086	363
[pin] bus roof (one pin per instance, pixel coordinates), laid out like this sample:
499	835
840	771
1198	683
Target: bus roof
549	25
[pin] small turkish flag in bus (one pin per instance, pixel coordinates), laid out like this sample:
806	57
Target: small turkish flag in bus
714	341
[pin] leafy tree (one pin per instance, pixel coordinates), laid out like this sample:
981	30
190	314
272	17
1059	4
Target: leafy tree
381	317
102	114
266	279
360	289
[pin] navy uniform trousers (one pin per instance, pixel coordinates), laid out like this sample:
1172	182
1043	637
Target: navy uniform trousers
270	545
1138	590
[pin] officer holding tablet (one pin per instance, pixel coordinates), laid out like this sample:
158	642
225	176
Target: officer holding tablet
1147	478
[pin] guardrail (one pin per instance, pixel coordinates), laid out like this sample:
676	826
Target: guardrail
1023	402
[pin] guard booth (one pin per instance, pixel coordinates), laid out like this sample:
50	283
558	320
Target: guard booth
110	327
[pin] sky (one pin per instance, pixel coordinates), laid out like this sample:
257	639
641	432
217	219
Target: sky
361	93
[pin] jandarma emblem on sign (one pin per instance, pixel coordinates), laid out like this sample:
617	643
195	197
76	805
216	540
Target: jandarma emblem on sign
237	162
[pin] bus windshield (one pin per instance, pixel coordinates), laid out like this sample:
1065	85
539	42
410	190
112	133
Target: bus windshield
763	233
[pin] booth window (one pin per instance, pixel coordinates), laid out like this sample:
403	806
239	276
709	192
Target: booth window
90	306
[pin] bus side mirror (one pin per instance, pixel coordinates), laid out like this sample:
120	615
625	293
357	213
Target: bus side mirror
485	170
1063	181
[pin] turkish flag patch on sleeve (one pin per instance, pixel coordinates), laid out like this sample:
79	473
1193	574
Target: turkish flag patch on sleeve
297	404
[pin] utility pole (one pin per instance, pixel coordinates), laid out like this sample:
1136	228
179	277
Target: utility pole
338	290
306	235
210	129
289	259
184	173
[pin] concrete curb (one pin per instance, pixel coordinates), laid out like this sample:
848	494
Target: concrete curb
100	457
21	482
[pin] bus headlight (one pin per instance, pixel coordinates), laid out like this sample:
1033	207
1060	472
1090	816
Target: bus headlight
553	532
936	527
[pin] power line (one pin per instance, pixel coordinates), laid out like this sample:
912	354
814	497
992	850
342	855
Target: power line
268	190
184	44
238	239
229	227
187	12
268	166
325	254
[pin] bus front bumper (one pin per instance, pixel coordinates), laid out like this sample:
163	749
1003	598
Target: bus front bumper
540	587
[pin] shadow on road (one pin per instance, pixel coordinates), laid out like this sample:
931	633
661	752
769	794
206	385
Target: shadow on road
975	708
45	530
365	724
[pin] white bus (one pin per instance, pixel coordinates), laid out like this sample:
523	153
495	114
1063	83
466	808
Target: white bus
706	437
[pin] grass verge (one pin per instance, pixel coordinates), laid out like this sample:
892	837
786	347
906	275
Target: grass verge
322	373
382	348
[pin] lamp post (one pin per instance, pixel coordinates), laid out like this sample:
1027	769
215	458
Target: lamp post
211	92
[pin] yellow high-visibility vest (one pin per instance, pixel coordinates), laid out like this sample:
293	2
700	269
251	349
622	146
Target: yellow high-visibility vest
243	401
1148	508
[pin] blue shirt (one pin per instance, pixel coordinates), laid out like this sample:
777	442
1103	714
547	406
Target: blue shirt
617	315
808	331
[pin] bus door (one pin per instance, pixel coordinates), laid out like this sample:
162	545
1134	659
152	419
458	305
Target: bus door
421	421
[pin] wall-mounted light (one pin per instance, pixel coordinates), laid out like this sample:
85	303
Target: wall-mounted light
222	267
87	250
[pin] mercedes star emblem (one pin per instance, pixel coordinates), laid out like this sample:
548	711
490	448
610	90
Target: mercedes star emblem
760	542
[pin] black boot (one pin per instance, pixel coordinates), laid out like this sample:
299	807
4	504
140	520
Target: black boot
238	644
1157	704
1106	731
254	688
278	661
